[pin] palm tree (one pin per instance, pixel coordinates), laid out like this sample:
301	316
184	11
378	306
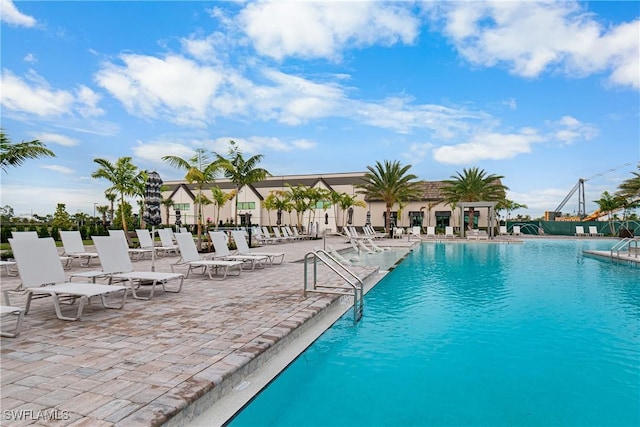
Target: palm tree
317	196
201	171
219	199
346	201
167	203
124	177
473	185
630	188
299	201
390	182
15	155
509	206
111	197
240	171
102	210
270	203
608	203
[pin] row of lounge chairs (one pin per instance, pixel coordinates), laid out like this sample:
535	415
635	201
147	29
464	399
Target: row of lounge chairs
42	274
593	231
280	234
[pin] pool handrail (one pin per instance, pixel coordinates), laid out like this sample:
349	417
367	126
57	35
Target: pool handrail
619	246
358	291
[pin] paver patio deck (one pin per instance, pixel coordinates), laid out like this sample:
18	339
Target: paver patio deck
144	364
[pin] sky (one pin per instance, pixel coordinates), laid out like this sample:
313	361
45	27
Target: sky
540	93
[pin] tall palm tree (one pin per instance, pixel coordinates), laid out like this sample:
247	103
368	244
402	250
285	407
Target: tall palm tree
630	188
15	154
509	206
390	182
167	203
200	170
102	210
347	201
299	201
111	197
473	185
241	171
219	198
609	203
124	177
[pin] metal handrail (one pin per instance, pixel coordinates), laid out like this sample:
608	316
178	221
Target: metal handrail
358	304
620	245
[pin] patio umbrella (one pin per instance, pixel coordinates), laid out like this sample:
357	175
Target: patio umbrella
178	218
151	215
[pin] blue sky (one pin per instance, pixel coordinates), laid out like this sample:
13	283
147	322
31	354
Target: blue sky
541	93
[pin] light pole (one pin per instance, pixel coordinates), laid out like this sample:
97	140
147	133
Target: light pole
94	213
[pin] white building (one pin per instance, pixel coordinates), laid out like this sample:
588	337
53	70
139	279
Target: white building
429	211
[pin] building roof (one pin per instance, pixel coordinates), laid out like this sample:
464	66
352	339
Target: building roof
431	190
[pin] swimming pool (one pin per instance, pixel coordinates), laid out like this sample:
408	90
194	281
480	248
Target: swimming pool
475	334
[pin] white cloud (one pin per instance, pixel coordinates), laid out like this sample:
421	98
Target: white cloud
323	29
493	146
569	130
418	152
173	87
401	115
152	152
12	16
30	57
259	144
87	102
33	95
532	38
58	168
54	138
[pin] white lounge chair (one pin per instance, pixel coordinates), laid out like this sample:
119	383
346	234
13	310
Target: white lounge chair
448	232
18	313
593	231
476	234
134	253
240	238
503	230
64	259
9	266
338	256
300	236
362	246
166	240
266	234
260	238
74	248
24	234
146	241
280	236
190	258
431	232
397	233
516	230
580	231
117	264
42	274
223	252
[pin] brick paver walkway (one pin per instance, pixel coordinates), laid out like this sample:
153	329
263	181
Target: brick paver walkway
142	365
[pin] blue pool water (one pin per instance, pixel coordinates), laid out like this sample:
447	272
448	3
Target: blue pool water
475	335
